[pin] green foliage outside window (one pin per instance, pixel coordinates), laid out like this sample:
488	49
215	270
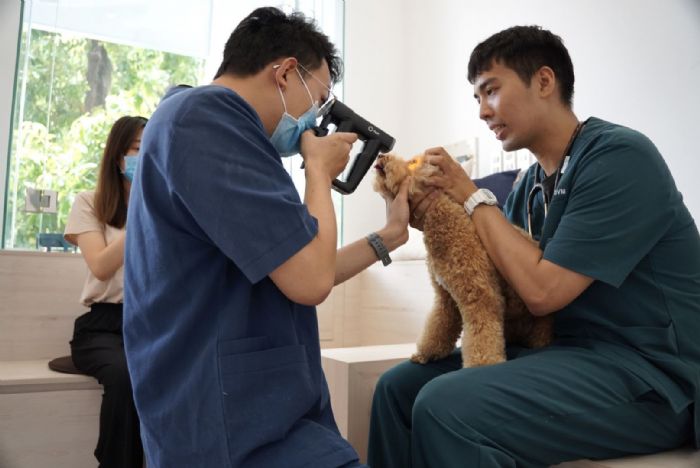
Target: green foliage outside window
68	95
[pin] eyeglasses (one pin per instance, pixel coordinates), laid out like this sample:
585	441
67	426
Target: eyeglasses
323	107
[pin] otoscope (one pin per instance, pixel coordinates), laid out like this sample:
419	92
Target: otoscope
375	141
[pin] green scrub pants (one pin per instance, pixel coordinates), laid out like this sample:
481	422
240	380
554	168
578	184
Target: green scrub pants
537	409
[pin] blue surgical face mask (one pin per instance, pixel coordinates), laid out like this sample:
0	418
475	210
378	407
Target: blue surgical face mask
287	135
130	163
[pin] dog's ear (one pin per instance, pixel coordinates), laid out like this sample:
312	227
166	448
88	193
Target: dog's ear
421	171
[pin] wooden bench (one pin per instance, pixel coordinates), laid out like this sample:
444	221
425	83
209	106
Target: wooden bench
47	419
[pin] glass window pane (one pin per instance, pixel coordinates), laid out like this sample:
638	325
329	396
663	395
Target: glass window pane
70	89
81	67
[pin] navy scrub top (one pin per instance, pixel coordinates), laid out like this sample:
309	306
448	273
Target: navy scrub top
226	370
618	217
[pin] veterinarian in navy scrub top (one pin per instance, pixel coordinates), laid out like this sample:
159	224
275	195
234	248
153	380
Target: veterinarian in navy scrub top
618	264
225	263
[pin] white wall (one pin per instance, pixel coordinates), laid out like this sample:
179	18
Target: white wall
637	63
374	42
9	33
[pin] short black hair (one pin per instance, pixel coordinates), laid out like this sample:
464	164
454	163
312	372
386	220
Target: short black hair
525	49
268	34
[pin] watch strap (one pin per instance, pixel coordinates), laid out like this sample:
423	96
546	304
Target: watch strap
379	248
481	196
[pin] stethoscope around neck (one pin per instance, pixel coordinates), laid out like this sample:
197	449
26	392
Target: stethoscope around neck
539	182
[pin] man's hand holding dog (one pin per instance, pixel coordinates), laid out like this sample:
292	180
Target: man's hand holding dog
451	179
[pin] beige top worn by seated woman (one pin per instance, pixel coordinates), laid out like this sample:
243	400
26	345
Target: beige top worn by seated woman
82	219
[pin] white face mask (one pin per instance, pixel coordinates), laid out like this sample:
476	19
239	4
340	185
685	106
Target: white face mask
287	135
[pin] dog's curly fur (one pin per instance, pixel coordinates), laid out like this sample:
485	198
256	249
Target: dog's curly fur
470	295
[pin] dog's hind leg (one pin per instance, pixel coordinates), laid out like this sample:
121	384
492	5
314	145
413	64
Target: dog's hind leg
541	333
442	328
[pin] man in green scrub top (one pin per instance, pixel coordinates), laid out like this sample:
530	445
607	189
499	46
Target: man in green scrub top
618	264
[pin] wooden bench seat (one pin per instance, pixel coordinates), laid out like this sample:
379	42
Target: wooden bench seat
35	376
47	418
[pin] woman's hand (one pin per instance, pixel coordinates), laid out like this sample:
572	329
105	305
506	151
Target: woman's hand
102	259
451	179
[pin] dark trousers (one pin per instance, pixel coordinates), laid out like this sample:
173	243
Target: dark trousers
538	409
97	350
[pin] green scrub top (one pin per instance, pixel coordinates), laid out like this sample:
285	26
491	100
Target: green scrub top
617	216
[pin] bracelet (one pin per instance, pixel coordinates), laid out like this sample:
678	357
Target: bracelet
379	248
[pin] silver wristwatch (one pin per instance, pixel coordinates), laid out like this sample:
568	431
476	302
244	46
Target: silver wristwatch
481	196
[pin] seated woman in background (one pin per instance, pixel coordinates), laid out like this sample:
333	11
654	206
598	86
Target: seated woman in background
96	224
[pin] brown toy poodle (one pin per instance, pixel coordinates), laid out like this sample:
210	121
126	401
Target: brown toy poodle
471	297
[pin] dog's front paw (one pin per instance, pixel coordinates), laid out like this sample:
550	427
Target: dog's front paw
420	358
423	356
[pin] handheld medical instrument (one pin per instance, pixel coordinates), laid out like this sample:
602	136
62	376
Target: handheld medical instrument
375	141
